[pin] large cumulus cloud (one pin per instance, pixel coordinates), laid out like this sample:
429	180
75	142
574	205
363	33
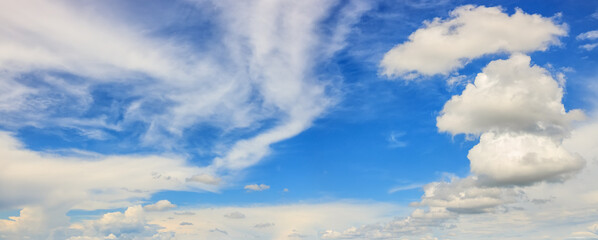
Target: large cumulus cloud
444	45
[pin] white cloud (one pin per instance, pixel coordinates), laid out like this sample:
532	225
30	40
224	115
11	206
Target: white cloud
404	187
84	183
444	45
161	205
508	96
261	71
518	110
546	210
589	46
394	140
256	187
32	223
130	224
590	35
520	159
256	75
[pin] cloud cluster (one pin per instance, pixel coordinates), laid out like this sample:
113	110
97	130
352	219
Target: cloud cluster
518	110
444	45
588	36
509	96
522	159
261	222
130	224
515	107
465	196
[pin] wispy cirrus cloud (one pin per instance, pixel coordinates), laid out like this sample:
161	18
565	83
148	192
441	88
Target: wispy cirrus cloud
82	66
262	72
590	35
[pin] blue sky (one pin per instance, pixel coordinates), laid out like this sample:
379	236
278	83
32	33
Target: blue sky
298	120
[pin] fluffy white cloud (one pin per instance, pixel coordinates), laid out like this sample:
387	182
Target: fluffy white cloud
32	223
508	96
161	205
519	110
130	224
520	159
256	187
444	45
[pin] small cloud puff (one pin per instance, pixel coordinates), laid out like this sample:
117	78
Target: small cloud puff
263	225
235	215
394	140
591	35
255	187
205	179
161	205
